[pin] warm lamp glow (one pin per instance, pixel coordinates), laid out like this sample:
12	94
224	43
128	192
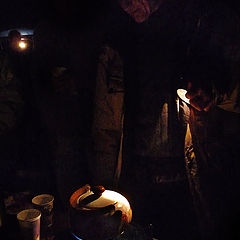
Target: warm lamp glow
181	93
22	45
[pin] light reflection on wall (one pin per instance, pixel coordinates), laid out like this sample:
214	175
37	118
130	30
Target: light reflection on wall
181	93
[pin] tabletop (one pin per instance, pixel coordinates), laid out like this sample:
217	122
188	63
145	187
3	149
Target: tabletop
16	202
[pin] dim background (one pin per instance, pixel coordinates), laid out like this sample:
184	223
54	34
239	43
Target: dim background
25	153
27	13
26	149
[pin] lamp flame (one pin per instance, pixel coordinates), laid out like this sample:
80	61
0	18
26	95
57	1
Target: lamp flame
22	45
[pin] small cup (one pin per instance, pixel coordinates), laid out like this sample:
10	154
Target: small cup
44	203
29	222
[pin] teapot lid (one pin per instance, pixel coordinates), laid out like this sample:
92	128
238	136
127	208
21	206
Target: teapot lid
92	198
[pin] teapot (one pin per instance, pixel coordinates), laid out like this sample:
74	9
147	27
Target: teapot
98	214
